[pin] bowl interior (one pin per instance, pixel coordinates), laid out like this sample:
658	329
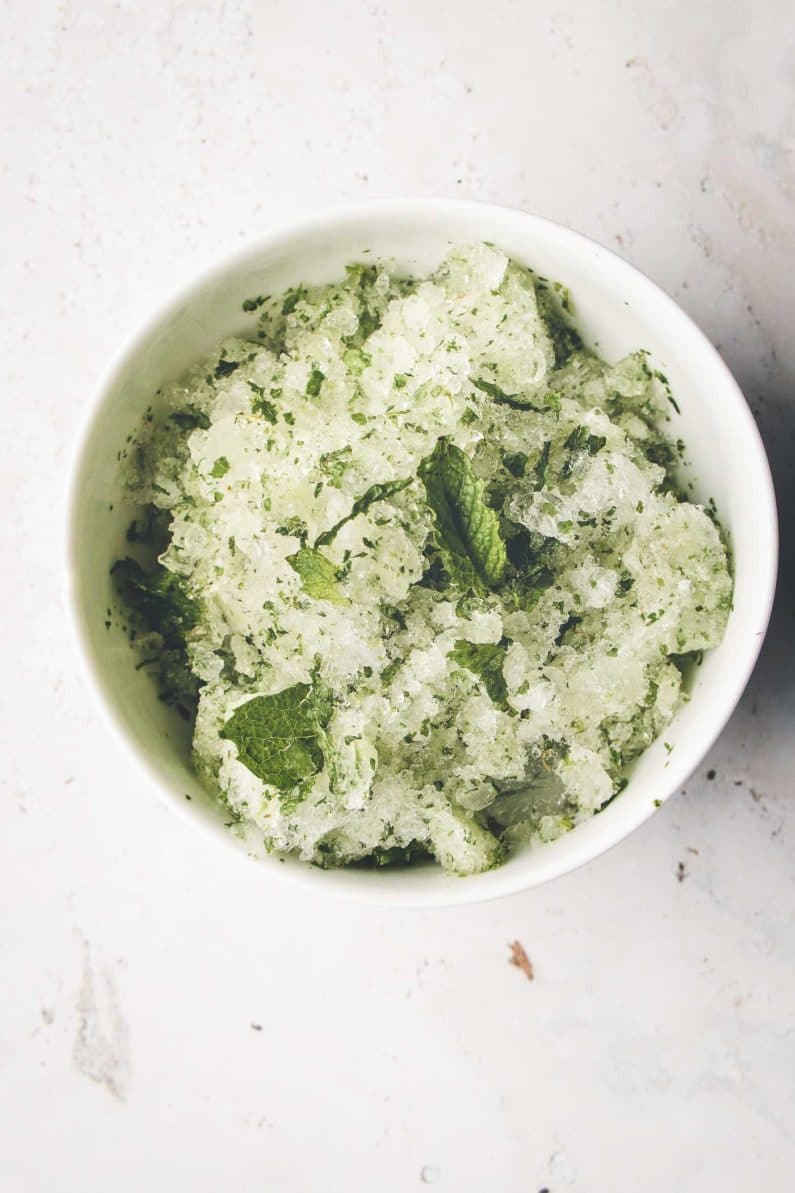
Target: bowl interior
617	310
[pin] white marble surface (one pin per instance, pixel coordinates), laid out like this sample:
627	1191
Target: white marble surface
170	1018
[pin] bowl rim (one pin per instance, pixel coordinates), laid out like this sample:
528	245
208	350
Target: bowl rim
365	887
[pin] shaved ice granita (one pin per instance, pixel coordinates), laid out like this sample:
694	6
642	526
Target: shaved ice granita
415	564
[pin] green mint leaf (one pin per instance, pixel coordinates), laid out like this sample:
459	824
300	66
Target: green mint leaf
570	623
159	602
266	409
553	309
368	323
316	379
356	360
361	279
468	529
363	503
292	299
225	367
397	855
159	598
220	467
541	467
581	439
391	670
333	465
318	576
378	493
361	274
515	463
189	418
279	738
485	660
295	526
253	304
500	396
261	404
147	529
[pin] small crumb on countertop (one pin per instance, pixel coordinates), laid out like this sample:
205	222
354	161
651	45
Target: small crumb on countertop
520	959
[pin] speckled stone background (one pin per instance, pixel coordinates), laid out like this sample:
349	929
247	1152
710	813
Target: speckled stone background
170	1019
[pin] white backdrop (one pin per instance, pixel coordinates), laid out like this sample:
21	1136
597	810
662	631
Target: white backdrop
171	1019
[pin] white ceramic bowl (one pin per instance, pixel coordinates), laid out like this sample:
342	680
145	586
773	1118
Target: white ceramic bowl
616	307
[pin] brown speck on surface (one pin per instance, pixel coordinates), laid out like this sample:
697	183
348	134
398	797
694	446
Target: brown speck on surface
711	774
520	959
738	782
681	872
47	1015
756	796
256	1027
69	780
692	849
